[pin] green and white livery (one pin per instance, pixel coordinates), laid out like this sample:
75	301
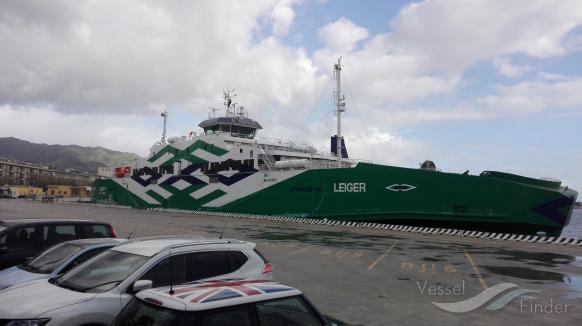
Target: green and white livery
227	168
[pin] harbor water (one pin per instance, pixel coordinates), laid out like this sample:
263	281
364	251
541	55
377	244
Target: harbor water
574	229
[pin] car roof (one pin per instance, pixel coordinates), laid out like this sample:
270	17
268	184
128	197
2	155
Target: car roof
217	294
152	246
13	222
96	241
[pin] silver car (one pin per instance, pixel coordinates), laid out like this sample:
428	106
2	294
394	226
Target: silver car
95	292
56	260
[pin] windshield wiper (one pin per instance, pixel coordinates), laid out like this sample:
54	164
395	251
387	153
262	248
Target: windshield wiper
101	284
29	268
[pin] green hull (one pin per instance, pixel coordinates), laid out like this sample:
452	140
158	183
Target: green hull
493	201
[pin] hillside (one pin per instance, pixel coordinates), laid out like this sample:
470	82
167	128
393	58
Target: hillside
85	159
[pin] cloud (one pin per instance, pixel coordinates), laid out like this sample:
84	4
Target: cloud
534	96
98	56
453	35
45	125
509	70
342	35
282	17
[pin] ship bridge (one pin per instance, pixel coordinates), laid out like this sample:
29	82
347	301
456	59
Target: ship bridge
238	126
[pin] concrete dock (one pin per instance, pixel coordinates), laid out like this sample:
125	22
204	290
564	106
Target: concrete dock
363	276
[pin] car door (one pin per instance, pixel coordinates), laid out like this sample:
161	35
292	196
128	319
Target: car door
16	245
164	272
52	234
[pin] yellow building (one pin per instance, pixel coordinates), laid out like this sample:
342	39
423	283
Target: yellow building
59	191
24	191
81	191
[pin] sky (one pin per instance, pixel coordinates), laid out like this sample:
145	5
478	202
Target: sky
472	85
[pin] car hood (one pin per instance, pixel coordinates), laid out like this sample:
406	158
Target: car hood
14	275
32	299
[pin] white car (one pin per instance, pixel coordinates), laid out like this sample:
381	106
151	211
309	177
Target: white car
228	303
95	292
56	260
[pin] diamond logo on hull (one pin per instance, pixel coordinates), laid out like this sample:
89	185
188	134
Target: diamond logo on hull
181	184
400	187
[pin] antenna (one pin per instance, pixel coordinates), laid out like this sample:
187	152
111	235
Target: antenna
165	116
171	274
132	231
341	107
222	233
212	112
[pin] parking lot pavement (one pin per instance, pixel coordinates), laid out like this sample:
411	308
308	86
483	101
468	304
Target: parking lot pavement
380	277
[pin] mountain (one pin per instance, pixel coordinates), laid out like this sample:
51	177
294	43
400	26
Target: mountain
85	159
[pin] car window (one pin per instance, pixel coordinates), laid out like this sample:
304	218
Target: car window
96	231
241	315
287	311
83	258
53	257
103	273
139	313
53	234
3	239
237	259
206	264
21	238
163	273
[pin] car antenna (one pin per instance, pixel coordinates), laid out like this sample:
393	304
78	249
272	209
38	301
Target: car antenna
171	274
222	233
132	231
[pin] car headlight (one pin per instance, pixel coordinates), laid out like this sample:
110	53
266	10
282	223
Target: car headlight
29	322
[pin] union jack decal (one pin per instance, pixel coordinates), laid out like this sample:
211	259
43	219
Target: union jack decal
222	290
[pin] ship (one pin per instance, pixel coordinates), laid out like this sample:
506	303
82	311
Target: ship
226	167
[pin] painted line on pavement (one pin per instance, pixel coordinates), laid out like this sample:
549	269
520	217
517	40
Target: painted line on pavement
300	250
372	265
481	280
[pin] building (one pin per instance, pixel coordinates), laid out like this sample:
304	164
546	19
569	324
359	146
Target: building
59	191
25	191
81	191
105	172
21	173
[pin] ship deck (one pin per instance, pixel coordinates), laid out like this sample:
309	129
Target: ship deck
363	276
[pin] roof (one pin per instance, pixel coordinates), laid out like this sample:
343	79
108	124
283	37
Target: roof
239	121
150	247
43	220
217	294
96	241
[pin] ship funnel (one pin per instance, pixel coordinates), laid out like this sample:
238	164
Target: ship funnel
334	147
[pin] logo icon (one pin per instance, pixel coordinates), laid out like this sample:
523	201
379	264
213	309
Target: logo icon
484	297
400	187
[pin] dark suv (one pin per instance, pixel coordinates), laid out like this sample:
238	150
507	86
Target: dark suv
20	239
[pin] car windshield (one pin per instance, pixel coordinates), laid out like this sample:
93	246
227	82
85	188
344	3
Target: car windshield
103	273
139	313
50	259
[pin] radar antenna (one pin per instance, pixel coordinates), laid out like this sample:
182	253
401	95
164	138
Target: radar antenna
228	102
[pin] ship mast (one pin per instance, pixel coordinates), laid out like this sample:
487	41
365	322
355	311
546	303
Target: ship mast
165	116
340	107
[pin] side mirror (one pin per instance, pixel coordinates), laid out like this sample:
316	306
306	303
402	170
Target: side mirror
141	285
